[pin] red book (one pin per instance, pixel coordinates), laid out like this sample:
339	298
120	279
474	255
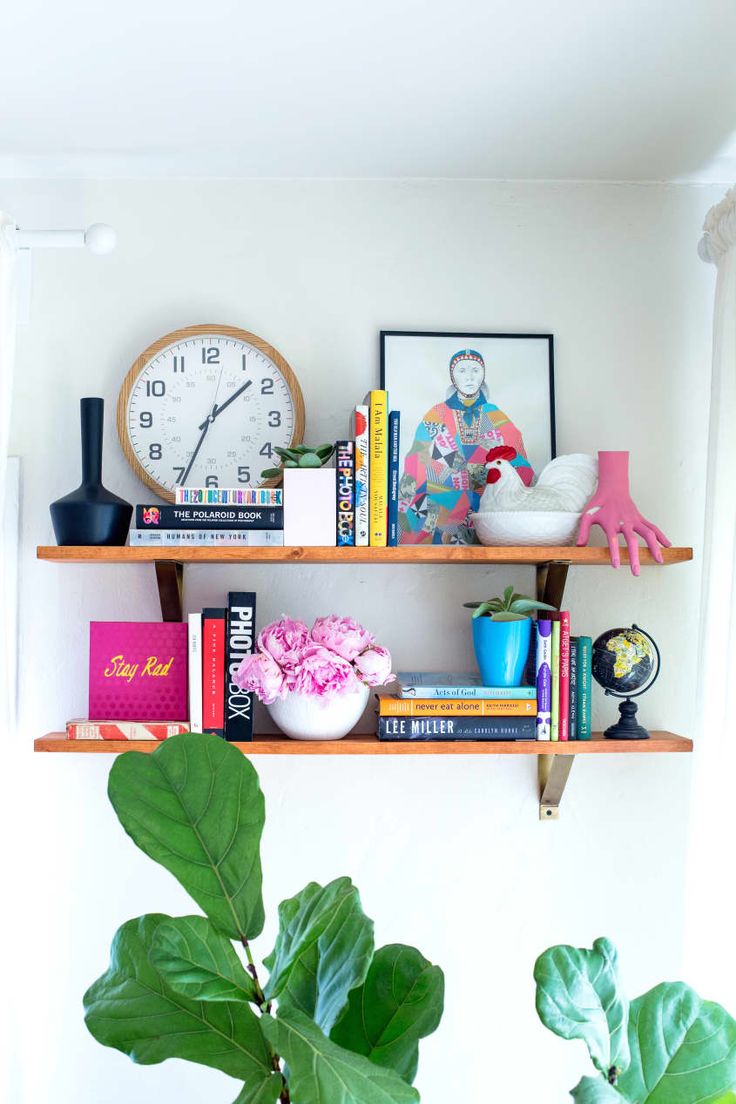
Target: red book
564	715
213	670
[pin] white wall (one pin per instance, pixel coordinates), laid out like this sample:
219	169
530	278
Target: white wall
448	853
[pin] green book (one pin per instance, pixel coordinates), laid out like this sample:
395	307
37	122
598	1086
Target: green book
555	724
585	685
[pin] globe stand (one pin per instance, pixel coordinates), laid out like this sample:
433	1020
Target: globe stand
627	727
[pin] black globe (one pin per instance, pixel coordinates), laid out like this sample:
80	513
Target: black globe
625	661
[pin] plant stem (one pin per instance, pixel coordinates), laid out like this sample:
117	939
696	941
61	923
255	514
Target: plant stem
284	1097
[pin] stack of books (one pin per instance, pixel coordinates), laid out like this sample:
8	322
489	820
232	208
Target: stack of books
163	670
563	674
249	516
456	707
367	482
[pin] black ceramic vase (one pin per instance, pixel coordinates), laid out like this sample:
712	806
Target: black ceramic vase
91	514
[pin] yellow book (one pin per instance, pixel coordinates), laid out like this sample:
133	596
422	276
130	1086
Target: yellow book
378	469
390	706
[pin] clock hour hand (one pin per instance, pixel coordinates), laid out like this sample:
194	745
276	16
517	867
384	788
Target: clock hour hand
217	410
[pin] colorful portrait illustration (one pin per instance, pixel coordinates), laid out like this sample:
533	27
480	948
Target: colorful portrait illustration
477	406
151	515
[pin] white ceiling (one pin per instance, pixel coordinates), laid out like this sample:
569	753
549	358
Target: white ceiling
520	89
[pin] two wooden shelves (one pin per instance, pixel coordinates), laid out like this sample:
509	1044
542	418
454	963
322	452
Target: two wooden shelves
551	564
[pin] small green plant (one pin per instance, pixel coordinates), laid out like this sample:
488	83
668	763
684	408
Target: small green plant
509	607
300	456
337	1021
666	1047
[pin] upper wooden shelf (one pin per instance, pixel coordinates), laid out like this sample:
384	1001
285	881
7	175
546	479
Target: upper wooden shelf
370	745
433	554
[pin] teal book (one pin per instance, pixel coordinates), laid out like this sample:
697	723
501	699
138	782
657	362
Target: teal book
584	686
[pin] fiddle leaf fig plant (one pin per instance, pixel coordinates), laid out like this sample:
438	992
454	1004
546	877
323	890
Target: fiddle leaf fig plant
299	456
666	1047
510	606
336	1021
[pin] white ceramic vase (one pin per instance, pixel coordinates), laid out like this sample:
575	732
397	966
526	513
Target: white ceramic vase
307	717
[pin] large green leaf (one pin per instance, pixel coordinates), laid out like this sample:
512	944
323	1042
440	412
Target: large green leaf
595	1090
323	950
195	806
399	1003
578	997
683	1049
321	1072
132	1009
198	961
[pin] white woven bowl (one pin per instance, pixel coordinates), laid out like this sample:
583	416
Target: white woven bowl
527	527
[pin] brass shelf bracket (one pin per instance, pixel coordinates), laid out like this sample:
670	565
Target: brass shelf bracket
170	581
554	771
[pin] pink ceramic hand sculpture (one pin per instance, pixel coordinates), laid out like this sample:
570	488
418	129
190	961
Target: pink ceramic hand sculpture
613	509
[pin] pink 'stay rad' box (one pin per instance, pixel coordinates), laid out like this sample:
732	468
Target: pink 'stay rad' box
137	670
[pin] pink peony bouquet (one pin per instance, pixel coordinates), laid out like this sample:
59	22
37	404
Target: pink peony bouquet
335	657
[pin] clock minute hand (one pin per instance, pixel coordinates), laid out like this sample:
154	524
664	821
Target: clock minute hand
217	410
204	427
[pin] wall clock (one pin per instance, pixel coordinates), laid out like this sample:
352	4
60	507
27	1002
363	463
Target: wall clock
205	406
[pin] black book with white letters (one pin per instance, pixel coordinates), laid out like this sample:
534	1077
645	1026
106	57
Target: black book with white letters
209	517
241	636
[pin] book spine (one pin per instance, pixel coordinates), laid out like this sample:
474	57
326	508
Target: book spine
362	457
390	706
213	670
241	624
555	671
573	688
544	679
124	730
378	470
253	538
456	728
209	517
229	496
195	671
564	699
431	693
394	441
585	686
345	493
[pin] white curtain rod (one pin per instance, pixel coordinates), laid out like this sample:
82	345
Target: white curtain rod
98	238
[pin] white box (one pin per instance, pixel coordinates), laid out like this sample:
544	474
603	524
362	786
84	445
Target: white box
309	507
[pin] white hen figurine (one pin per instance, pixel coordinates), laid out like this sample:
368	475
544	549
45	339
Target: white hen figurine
566	483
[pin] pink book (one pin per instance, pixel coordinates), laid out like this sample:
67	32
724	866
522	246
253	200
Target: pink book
137	669
564	716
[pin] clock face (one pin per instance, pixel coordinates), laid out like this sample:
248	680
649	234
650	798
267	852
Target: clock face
206	407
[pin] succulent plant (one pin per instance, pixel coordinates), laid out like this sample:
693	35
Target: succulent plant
300	456
509	607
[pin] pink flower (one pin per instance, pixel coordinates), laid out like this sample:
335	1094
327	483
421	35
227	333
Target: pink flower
373	666
341	635
260	673
284	640
321	672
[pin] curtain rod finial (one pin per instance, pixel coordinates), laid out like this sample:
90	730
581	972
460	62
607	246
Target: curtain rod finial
100	238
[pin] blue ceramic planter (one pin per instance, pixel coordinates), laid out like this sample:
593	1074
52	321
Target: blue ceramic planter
501	649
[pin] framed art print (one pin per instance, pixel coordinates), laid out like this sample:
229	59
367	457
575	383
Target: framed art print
460	395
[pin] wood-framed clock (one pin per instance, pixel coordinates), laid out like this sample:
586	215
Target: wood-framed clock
205	406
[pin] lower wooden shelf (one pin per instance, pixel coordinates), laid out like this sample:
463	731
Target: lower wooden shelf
371	745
